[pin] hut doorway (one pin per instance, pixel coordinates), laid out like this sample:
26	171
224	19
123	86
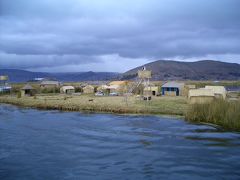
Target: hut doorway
27	90
154	93
177	92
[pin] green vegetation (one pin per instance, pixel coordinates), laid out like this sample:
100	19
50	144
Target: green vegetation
4	93
19	94
223	113
49	90
112	104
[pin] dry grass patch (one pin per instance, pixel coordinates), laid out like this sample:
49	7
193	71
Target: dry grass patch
114	104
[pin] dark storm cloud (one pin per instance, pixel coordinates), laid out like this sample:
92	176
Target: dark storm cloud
56	33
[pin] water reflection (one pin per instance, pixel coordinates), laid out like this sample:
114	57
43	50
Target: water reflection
145	143
211	136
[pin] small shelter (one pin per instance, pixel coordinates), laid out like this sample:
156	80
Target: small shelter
67	89
102	88
89	89
152	90
27	90
219	91
118	86
200	95
114	87
172	89
49	84
186	89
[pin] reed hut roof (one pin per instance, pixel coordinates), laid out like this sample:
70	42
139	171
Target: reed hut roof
190	86
217	89
64	88
113	87
201	93
119	83
27	87
88	87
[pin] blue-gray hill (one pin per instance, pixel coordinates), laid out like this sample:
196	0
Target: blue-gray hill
200	70
16	75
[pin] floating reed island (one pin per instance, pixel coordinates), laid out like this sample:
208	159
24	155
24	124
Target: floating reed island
112	104
223	113
196	101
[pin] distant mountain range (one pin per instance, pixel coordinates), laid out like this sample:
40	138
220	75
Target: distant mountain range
200	70
16	75
161	70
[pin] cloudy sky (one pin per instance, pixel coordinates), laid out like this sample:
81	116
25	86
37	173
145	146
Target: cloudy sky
112	35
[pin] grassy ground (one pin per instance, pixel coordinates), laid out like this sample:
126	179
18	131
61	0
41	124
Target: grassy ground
114	104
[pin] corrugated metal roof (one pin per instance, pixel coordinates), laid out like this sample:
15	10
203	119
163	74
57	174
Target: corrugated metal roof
173	84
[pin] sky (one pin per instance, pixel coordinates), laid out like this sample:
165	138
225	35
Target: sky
115	36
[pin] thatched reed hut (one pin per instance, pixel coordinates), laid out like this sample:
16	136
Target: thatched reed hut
219	91
27	90
89	89
67	89
200	95
152	90
119	87
118	83
49	84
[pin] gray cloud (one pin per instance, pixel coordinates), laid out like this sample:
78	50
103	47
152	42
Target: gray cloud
36	61
57	33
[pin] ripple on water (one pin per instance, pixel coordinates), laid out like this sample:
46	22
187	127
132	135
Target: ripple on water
57	145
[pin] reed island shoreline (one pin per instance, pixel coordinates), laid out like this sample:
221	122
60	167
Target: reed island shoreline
221	114
112	104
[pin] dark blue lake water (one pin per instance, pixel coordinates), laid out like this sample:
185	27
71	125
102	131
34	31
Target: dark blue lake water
70	145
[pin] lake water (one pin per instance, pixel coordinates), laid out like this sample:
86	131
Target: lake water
57	145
